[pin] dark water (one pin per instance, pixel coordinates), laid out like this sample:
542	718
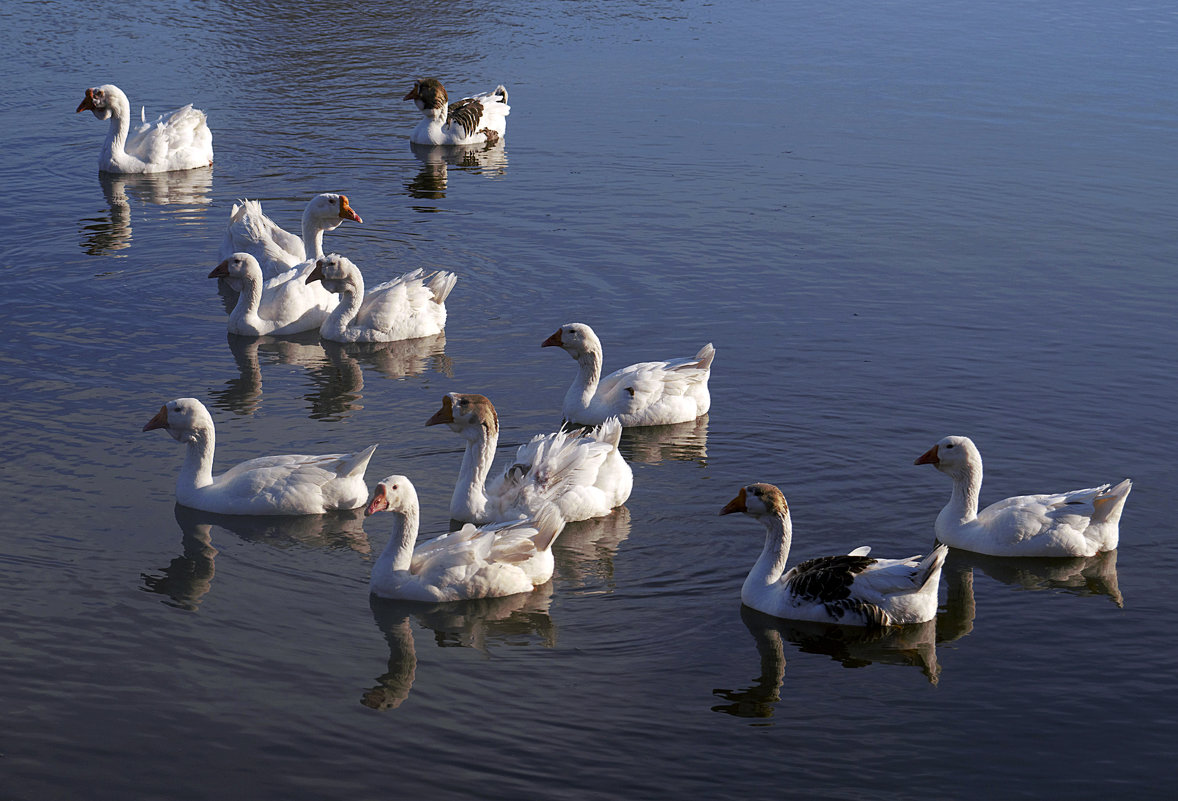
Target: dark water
895	221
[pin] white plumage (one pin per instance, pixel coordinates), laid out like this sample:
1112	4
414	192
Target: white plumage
178	140
286	304
477	120
270	485
582	473
643	394
854	589
410	306
495	560
251	231
1077	523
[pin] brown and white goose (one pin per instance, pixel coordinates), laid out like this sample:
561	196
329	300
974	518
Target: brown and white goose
852	589
477	120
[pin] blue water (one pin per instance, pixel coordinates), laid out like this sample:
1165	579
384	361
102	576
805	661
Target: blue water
894	221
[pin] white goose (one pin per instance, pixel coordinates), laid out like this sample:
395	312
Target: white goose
179	140
852	590
286	304
496	560
471	121
276	250
1077	523
644	394
408	307
270	485
583	473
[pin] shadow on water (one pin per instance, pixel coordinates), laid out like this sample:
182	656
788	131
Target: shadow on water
521	619
112	232
436	161
188	577
335	371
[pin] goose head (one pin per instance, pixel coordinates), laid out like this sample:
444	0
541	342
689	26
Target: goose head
327	210
394	494
104	101
240	267
758	500
576	339
428	95
338	274
952	455
465	414
183	418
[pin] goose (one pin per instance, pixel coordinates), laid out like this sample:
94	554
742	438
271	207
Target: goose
1078	523
179	140
477	120
286	304
408	307
581	472
489	562
851	590
270	485
276	250
644	394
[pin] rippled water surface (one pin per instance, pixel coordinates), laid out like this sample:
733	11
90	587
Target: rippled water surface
895	221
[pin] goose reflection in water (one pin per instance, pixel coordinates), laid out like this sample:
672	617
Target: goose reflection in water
682	442
189	577
1078	575
521	619
112	232
852	646
430	181
584	552
335	370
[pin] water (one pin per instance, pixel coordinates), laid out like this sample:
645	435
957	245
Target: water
895	222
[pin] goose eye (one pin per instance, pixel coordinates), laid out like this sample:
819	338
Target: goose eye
950	445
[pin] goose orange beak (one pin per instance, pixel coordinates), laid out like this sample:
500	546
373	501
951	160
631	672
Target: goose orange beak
412	94
737	504
443	415
221	270
87	103
928	457
159	421
553	340
379	501
345	211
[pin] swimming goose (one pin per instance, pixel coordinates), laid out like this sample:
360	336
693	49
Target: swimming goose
286	304
270	485
488	562
471	121
644	394
581	472
276	250
179	140
1077	523
852	590
408	307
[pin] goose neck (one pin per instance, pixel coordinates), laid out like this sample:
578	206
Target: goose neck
197	470
470	493
770	564
398	551
967	486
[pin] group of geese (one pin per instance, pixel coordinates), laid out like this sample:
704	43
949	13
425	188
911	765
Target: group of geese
286	284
